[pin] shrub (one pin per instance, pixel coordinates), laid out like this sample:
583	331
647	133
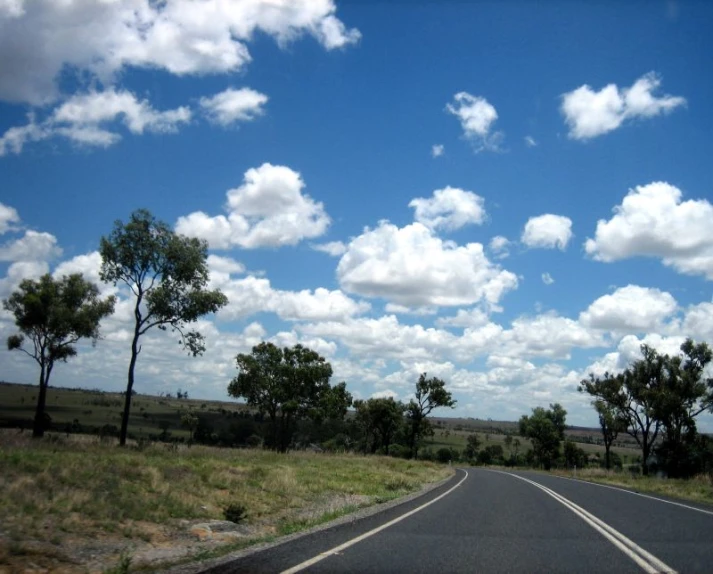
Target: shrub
254	441
399	451
426	454
235	513
444	455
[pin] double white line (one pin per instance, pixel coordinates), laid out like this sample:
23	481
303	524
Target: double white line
647	561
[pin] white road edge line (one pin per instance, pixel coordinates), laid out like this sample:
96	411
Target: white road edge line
636	494
353	541
647	561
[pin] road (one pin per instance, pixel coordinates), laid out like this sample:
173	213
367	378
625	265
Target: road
485	521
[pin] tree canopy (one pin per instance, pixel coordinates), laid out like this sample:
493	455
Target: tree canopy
545	428
54	315
379	419
168	276
286	385
430	394
659	394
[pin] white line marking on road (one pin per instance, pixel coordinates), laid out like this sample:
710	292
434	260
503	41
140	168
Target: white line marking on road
647	561
353	541
636	494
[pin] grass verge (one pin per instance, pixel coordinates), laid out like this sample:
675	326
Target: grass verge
75	505
696	489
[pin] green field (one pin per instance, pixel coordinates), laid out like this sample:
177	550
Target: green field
95	409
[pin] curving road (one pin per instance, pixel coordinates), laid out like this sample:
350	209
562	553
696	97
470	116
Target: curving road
487	521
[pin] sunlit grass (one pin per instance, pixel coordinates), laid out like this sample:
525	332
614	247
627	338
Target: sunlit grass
58	490
696	489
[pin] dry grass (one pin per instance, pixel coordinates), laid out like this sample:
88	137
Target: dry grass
696	489
73	506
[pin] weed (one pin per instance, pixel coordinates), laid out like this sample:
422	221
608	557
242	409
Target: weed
398	483
235	513
122	566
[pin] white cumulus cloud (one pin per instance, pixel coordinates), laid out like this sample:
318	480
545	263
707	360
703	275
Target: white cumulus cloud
32	246
19	271
437	150
8	218
547	231
267	210
472	318
590	114
410	266
476	116
333	248
250	295
450	208
83	119
630	309
39	39
500	246
231	106
547	279
654	221
698	322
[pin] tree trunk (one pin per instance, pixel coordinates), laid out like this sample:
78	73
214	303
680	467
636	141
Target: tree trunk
607	458
129	387
645	448
38	428
415	432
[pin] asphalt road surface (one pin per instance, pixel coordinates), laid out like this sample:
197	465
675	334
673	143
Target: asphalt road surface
485	521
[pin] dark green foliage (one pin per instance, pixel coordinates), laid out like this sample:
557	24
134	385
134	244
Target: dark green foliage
685	395
430	394
446	455
545	428
657	395
473	444
287	385
574	456
238	433
399	451
190	421
615	461
168	275
379	420
492	454
334	403
235	513
54	314
611	423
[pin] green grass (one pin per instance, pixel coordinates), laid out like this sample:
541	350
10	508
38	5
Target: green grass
61	492
696	489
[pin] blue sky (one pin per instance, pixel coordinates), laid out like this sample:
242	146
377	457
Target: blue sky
505	195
